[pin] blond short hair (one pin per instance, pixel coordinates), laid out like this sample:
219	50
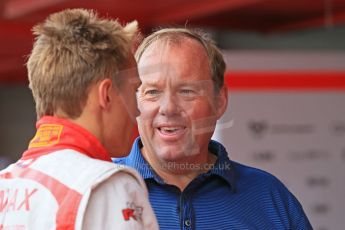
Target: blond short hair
73	49
176	35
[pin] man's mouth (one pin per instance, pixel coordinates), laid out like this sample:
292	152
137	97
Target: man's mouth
171	131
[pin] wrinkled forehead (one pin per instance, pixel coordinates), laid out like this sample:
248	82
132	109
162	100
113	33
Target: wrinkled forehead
186	60
162	45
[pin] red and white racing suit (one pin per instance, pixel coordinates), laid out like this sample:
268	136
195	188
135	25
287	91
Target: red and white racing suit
66	180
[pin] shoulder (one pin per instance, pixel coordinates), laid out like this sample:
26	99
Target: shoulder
80	172
256	177
121	182
120	201
271	194
244	174
246	171
253	181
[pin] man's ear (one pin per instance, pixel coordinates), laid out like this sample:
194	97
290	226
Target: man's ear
105	93
222	101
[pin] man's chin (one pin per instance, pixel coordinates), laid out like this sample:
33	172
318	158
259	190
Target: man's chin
177	151
172	155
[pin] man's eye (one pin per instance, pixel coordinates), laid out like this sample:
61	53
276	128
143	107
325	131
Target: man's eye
152	92
187	92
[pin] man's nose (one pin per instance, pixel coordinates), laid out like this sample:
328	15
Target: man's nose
169	105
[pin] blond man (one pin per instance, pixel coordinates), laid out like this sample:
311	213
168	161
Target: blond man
80	71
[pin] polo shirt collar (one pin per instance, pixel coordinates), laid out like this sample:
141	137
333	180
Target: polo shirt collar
223	167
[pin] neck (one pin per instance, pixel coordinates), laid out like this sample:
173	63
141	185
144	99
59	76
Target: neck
88	120
180	173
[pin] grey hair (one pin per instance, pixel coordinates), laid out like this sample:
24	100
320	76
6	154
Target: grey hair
216	60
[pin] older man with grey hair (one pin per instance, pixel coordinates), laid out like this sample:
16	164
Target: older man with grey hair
192	182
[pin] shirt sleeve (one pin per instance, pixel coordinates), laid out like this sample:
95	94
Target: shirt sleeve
119	203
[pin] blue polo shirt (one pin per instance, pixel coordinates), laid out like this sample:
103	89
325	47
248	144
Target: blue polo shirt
228	196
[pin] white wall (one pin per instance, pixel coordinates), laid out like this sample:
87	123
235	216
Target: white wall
299	136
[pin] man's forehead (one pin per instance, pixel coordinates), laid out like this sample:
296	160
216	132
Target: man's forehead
163	53
176	61
154	68
158	79
166	43
153	55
